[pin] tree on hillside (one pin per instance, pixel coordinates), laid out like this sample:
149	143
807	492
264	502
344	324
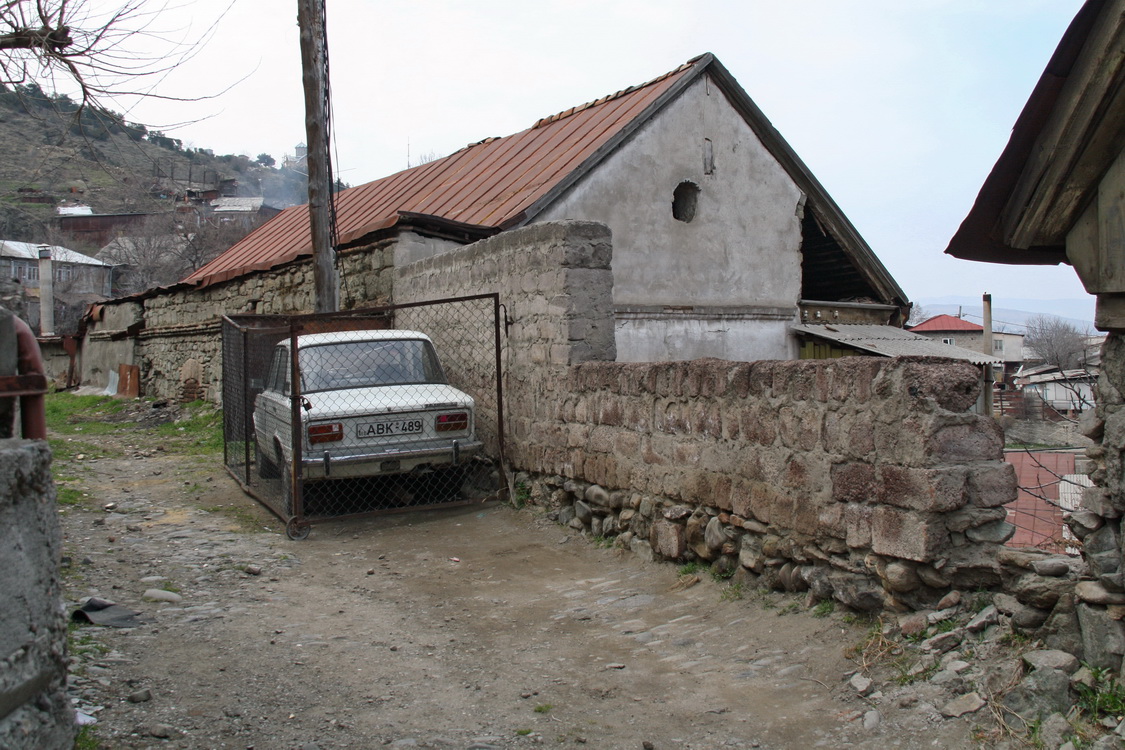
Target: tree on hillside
265	160
1057	342
168	247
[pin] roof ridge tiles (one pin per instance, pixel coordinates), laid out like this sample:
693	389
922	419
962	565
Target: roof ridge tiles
543	121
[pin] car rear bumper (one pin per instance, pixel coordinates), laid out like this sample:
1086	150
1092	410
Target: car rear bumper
326	465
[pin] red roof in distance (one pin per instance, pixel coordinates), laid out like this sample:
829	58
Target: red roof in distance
946	323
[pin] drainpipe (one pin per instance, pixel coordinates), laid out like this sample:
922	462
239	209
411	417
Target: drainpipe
46	292
989	376
33	415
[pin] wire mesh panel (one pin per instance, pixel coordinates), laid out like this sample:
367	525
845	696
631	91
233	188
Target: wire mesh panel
351	413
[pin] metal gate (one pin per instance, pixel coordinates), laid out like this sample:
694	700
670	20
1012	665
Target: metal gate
366	411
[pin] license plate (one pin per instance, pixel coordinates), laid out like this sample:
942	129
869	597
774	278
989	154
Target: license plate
389	428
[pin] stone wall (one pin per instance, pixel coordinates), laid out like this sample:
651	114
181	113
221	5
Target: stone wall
866	479
181	338
555	283
1101	607
34	709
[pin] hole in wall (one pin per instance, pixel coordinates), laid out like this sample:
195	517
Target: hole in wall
684	201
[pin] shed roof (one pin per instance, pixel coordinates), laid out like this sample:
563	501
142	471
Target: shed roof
889	341
501	183
946	323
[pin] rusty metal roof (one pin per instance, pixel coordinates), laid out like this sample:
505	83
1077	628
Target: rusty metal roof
501	183
946	323
489	184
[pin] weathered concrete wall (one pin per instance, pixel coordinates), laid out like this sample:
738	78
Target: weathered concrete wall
34	709
738	258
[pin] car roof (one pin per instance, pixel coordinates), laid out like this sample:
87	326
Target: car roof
339	337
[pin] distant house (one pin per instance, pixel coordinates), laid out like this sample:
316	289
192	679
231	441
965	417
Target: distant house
80	273
98	229
1062	392
947	329
722	237
78	279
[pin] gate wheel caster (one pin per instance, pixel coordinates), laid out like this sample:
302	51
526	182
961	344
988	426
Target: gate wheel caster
297	530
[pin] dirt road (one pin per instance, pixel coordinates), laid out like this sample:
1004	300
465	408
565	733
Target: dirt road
474	627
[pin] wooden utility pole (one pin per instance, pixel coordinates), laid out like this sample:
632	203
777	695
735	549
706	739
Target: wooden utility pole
310	18
989	375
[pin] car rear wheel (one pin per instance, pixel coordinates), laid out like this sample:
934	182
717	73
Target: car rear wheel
267	469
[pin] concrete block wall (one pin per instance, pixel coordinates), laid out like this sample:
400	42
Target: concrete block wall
34	709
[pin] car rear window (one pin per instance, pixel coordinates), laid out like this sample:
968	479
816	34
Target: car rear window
363	364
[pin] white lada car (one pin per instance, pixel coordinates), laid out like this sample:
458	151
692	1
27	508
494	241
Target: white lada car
371	403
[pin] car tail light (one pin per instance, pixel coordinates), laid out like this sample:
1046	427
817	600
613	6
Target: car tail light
326	433
456	422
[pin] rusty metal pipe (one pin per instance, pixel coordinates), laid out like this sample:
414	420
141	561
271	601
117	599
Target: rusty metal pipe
33	407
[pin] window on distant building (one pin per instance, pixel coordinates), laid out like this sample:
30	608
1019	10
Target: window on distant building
998	346
947	341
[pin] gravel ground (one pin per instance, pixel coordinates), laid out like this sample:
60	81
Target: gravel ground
472	627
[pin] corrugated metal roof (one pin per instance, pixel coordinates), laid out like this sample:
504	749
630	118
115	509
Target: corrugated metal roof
892	342
946	323
486	184
30	251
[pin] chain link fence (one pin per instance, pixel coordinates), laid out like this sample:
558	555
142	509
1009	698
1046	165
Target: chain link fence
364	411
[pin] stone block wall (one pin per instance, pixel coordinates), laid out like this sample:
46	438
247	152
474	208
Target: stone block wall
181	329
555	282
1098	523
34	709
866	479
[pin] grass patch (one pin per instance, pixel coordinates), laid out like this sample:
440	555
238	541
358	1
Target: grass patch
523	732
718	575
1106	697
791	608
70	496
690	568
200	431
87	738
65	411
543	708
521	497
824	608
732	592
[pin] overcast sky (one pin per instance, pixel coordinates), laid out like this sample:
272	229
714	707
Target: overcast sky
899	108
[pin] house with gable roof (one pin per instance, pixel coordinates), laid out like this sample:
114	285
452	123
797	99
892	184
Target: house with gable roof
949	329
722	237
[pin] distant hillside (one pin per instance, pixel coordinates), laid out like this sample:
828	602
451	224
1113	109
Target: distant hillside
51	154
